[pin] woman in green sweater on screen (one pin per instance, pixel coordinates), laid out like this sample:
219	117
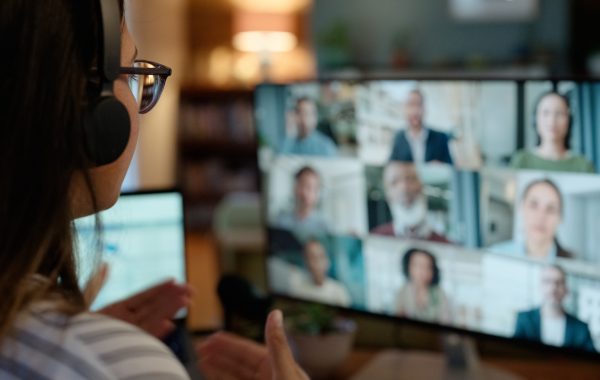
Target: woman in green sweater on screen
553	128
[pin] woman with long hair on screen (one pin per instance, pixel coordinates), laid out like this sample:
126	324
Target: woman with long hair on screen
421	297
553	127
541	210
72	89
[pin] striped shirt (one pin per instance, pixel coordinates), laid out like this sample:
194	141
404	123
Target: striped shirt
46	344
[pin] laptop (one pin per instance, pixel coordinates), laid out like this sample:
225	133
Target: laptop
143	244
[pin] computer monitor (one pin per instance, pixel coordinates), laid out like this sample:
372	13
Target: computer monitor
469	205
143	244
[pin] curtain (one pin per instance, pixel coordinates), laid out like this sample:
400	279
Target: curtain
585	107
465	208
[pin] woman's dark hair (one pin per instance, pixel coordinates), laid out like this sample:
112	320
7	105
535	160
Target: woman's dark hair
52	47
544	181
435	278
567	141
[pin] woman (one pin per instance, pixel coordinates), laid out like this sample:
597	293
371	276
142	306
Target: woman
553	129
541	211
57	164
421	296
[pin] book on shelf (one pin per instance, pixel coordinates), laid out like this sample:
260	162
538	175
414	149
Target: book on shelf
232	121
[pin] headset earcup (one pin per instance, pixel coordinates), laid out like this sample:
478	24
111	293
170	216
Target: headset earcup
106	130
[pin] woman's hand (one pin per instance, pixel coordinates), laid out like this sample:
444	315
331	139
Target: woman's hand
153	309
225	356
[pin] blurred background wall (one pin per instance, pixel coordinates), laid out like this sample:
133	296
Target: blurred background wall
405	34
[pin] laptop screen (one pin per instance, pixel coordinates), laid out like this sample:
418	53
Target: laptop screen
143	244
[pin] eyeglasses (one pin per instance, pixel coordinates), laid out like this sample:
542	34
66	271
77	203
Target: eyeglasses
146	80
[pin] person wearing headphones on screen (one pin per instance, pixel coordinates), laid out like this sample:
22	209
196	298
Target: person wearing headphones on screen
72	90
553	127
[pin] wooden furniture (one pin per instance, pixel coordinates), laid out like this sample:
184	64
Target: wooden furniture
203	274
535	369
216	149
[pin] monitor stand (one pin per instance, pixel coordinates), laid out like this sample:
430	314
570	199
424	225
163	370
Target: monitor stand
459	360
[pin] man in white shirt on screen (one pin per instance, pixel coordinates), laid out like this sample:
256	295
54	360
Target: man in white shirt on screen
550	323
316	285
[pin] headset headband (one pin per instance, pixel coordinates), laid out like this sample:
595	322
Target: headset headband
110	48
106	124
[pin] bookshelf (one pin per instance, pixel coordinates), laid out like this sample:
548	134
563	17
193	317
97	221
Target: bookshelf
216	149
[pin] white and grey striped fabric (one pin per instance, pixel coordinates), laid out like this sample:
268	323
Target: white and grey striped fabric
48	345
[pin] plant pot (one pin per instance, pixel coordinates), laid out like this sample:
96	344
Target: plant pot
320	355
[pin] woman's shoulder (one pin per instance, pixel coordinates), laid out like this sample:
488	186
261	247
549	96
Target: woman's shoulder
527	159
126	349
581	163
88	345
439	294
521	158
437	289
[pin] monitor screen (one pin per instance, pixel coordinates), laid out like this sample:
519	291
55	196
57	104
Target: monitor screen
143	244
470	204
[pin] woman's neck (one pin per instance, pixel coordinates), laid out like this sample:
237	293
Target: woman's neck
539	249
552	151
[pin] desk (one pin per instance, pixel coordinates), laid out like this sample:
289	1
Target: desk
529	369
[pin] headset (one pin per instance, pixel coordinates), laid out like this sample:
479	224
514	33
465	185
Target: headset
106	122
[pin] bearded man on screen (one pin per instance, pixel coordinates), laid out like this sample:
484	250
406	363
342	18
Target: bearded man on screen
407	203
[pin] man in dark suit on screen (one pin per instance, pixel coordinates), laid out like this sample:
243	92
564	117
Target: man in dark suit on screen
550	323
418	143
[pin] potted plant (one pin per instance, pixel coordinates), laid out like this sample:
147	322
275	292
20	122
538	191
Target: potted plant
321	340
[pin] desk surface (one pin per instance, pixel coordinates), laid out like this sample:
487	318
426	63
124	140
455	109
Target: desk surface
526	368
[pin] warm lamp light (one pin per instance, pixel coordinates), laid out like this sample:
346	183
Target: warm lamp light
264	32
280	6
256	42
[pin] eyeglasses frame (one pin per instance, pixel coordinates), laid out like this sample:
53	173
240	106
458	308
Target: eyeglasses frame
162	72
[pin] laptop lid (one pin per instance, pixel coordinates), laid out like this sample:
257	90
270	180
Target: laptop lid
143	244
